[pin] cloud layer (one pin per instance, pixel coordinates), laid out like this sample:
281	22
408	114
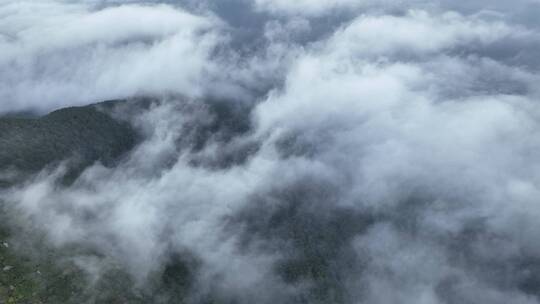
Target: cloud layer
56	54
347	152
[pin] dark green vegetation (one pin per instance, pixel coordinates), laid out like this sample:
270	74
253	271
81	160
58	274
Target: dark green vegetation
38	272
81	134
32	271
43	279
52	276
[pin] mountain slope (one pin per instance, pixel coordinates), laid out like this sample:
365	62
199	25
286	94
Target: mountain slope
80	134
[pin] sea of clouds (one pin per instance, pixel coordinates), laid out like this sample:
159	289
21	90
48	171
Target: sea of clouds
370	151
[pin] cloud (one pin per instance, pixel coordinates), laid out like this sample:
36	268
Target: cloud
56	54
309	8
372	106
388	159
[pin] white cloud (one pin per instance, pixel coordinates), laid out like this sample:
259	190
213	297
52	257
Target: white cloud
374	100
417	33
55	54
306	7
407	119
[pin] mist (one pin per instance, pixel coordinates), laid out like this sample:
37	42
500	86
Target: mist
290	152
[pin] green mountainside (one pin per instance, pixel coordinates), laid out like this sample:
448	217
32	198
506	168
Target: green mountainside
81	134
